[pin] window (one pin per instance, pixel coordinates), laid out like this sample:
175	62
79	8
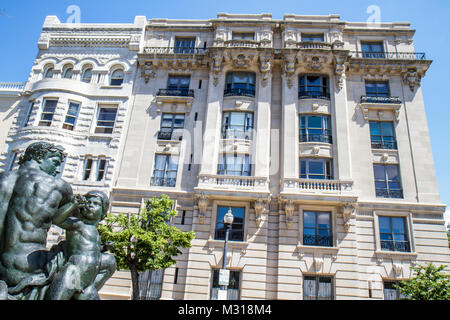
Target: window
391	292
240	84
233	289
28	114
377	89
243	36
106	118
117	77
165	171
71	116
184	45
372	49
317	229
237	227
150	284
317	288
178	86
171	126
67	72
237	125
48	72
87	169
309	37
48	112
316	168
393	234
86	76
382	135
101	169
234	165
313	86
387	181
315	128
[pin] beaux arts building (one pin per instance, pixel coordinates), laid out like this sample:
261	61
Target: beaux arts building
312	130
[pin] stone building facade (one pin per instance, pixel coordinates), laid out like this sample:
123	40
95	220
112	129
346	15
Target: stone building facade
310	129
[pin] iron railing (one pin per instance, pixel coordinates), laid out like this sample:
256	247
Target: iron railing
393	245
236	134
392	145
175	92
313	95
389	55
389	193
318	137
163	182
380	99
175	50
239	92
317	240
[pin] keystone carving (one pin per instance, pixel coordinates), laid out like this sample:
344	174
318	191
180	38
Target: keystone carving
202	207
289	209
412	78
289	70
348	212
148	71
260	210
265	67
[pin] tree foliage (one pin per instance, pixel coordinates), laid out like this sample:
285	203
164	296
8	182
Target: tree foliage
429	283
145	241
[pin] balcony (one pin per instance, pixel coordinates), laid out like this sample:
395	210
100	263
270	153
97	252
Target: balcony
175	92
393	194
163	182
325	138
230	185
389	55
168	134
177	50
317	187
392	245
380	99
314	95
317	240
314	45
228	92
236	134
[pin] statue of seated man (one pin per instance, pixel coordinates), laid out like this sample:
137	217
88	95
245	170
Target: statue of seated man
87	268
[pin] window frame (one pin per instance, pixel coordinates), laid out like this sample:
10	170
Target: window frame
409	231
247	128
317	229
237	230
371	54
242	35
166	132
66	125
327	164
43	112
215	279
49	72
101	177
87	160
246	160
97	127
317	278
390	145
184	45
393	234
387	190
163	180
66	69
117	81
234	88
326	135
83	74
147	277
377	93
312	35
304	91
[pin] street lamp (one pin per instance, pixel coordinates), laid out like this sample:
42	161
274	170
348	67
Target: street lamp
224	274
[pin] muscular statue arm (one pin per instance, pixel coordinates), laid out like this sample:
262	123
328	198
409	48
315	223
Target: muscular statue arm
68	204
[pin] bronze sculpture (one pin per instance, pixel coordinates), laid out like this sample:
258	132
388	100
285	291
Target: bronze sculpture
33	198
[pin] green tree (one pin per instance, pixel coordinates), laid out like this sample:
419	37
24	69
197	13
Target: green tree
429	283
144	241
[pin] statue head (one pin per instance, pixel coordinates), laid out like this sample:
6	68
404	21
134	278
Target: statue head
104	200
48	156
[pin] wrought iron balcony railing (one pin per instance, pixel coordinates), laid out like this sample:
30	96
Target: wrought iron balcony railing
386	193
175	50
317	240
175	92
168	134
236	134
393	245
313	95
327	138
163	182
239	92
389	55
380	99
392	145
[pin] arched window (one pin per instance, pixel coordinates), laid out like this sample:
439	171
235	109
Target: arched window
48	71
67	72
86	76
117	77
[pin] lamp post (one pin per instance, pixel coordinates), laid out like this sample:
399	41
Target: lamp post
224	274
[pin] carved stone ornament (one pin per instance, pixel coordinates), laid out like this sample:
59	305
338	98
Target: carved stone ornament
314	62
202	207
412	78
148	71
348	212
260	210
265	67
289	70
289	209
318	263
216	67
241	60
398	269
340	61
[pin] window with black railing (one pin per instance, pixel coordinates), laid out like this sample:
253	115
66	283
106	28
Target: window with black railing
387	181
313	86
316	168
382	135
317	288
315	128
184	45
317	229
237	227
172	125
239	83
234	165
378	92
165	171
177	86
372	49
237	125
233	288
393	234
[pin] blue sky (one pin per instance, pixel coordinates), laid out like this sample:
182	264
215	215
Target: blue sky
21	22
